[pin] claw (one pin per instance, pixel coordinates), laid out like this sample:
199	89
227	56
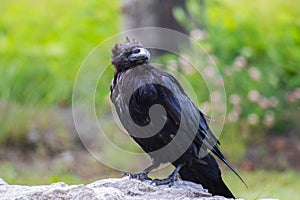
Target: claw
167	181
139	176
170	179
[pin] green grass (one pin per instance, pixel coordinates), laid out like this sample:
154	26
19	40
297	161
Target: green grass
36	175
265	184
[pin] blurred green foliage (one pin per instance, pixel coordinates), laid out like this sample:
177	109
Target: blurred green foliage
14	175
265	184
256	46
42	45
266	33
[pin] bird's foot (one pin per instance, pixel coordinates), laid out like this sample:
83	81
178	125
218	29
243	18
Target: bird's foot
139	176
167	181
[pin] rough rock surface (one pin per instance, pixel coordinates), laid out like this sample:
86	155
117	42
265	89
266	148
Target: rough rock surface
113	188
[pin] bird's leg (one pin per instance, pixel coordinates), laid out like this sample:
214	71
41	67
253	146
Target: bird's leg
142	175
139	176
170	179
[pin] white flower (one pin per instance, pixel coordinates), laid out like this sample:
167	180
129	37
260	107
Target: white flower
198	34
297	93
264	103
239	63
235	99
186	65
233	116
216	96
209	72
254	73
254	96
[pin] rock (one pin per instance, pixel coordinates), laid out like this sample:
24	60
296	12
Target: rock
112	188
2	182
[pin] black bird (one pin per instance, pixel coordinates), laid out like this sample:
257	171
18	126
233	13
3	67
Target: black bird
178	134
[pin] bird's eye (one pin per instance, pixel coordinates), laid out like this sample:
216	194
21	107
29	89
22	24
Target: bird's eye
136	51
127	53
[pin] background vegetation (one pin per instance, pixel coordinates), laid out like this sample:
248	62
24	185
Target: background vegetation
255	44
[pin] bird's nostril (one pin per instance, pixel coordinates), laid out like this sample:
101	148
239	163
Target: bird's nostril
137	51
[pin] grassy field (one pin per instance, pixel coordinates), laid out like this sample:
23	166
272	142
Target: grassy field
266	184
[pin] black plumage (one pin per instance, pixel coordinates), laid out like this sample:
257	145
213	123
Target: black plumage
137	87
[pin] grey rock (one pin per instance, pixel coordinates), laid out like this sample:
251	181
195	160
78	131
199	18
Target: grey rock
112	188
2	182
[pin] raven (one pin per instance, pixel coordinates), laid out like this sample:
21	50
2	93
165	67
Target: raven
178	133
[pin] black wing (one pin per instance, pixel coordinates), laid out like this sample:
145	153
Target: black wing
164	89
204	135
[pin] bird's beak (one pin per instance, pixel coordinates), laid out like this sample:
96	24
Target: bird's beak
141	55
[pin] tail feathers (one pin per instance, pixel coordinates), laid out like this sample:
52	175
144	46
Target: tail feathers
206	172
222	189
219	154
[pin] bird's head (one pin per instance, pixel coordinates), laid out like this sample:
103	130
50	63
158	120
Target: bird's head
129	54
